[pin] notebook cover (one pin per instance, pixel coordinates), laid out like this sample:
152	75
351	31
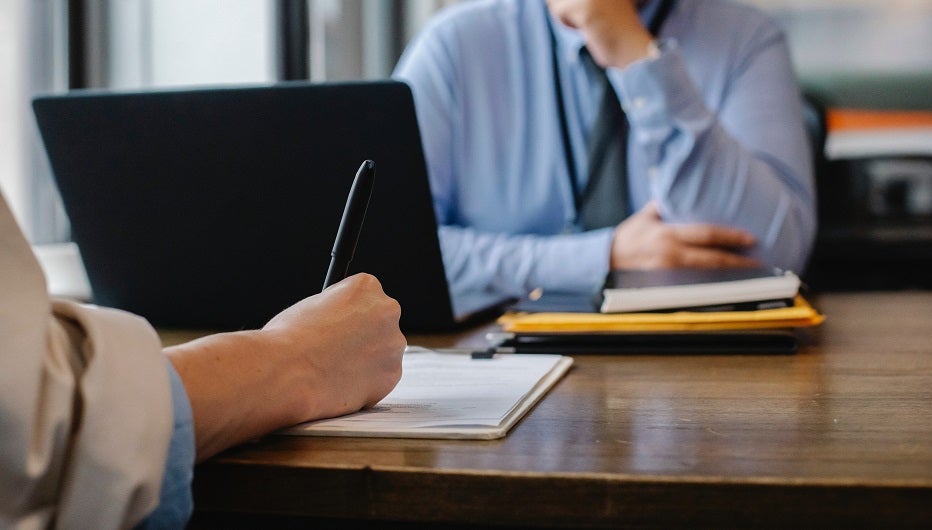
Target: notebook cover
776	341
694	289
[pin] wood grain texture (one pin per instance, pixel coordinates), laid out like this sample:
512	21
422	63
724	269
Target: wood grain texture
837	434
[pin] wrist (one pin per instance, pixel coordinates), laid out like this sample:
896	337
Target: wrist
653	49
634	49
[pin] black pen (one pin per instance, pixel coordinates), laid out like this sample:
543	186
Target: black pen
344	246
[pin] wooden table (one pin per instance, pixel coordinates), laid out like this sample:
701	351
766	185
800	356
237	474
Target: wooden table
839	434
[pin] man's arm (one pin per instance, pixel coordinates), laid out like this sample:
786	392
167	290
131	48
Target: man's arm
85	405
85	411
746	167
327	355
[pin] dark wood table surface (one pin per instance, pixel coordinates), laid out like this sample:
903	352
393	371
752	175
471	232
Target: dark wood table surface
838	434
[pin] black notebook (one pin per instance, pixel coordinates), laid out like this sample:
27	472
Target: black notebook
705	289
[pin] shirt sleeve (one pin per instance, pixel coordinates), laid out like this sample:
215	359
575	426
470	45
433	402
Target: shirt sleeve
176	502
748	165
85	406
517	264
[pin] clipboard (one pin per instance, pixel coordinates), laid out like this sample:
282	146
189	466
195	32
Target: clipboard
770	341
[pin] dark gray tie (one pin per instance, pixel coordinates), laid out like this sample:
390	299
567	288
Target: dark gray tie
604	202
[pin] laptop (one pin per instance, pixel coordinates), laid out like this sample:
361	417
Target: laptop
216	208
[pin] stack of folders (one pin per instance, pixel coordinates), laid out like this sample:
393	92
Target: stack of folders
757	310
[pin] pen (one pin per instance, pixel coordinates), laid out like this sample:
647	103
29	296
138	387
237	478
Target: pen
344	246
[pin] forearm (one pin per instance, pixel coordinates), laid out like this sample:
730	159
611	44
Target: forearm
327	355
237	390
516	264
747	165
728	185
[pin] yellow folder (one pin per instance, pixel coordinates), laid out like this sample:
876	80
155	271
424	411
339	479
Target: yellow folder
801	314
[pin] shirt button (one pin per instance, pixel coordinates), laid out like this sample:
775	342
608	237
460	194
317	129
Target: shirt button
639	102
653	172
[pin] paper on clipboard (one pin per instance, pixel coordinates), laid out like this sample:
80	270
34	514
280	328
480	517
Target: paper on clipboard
451	395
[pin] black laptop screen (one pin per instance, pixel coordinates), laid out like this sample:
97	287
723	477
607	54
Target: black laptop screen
217	207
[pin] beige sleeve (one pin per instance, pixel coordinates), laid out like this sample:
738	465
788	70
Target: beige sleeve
85	404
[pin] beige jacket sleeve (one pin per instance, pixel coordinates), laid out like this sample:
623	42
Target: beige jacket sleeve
85	404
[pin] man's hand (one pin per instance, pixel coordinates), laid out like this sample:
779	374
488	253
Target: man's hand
645	241
329	354
613	32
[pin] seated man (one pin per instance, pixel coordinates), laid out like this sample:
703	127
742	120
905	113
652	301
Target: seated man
711	164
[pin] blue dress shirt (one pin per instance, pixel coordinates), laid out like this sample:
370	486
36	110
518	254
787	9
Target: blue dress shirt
716	136
176	502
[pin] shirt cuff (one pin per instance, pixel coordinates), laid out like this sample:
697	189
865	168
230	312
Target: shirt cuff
658	93
176	502
575	262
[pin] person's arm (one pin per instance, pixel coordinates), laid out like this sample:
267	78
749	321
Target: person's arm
87	404
327	355
746	166
85	410
645	241
176	501
517	264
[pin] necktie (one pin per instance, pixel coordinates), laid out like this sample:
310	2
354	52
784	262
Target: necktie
605	198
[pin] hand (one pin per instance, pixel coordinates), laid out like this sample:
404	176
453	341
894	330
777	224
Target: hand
327	355
645	241
349	337
613	32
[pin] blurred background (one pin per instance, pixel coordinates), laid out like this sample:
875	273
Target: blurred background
868	63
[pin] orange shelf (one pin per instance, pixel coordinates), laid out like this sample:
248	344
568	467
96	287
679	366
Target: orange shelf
854	119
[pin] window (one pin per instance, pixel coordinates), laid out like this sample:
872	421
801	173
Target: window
132	44
857	53
186	42
33	50
870	54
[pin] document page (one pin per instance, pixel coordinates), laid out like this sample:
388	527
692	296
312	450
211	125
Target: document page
451	395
